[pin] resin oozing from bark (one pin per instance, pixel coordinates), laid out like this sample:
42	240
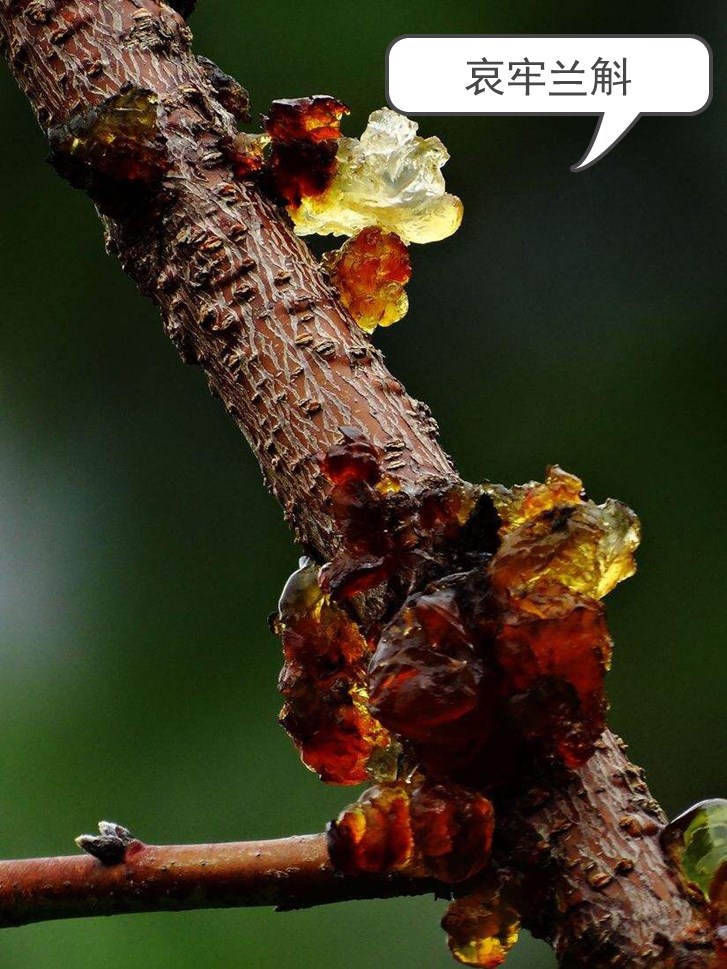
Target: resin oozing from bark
438	830
390	178
497	663
481	927
304	135
240	296
478	687
323	682
385	191
508	661
120	139
370	272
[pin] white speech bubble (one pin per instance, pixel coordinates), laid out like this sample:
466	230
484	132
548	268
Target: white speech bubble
617	77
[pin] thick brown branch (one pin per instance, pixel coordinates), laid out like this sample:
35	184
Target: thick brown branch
239	292
594	875
243	297
288	873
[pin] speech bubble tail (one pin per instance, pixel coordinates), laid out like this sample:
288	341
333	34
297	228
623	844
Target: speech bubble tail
611	129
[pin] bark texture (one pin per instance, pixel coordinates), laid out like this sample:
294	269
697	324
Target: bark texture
239	292
242	296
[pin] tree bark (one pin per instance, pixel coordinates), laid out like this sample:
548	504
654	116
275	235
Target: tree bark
239	292
243	297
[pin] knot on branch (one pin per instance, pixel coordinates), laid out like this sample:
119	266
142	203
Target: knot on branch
110	844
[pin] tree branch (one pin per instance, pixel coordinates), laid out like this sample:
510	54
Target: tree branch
242	296
288	873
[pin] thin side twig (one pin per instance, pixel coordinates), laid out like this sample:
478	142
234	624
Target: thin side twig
287	873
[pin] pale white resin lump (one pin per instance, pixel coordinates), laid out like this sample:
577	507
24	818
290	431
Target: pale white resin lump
390	178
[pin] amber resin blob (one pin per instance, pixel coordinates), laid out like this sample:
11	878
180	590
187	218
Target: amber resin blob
390	178
384	190
323	683
370	272
495	663
481	927
438	830
304	135
119	139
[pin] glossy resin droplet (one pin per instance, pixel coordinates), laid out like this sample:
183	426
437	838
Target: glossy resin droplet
370	272
551	534
482	928
304	135
323	682
390	178
438	830
696	842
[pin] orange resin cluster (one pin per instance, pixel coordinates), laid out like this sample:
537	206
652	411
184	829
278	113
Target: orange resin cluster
438	830
304	135
384	191
496	660
486	667
370	272
295	156
383	526
323	683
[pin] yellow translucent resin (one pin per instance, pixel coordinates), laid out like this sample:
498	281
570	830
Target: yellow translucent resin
390	178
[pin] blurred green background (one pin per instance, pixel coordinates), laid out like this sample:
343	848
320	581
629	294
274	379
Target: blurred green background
576	318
